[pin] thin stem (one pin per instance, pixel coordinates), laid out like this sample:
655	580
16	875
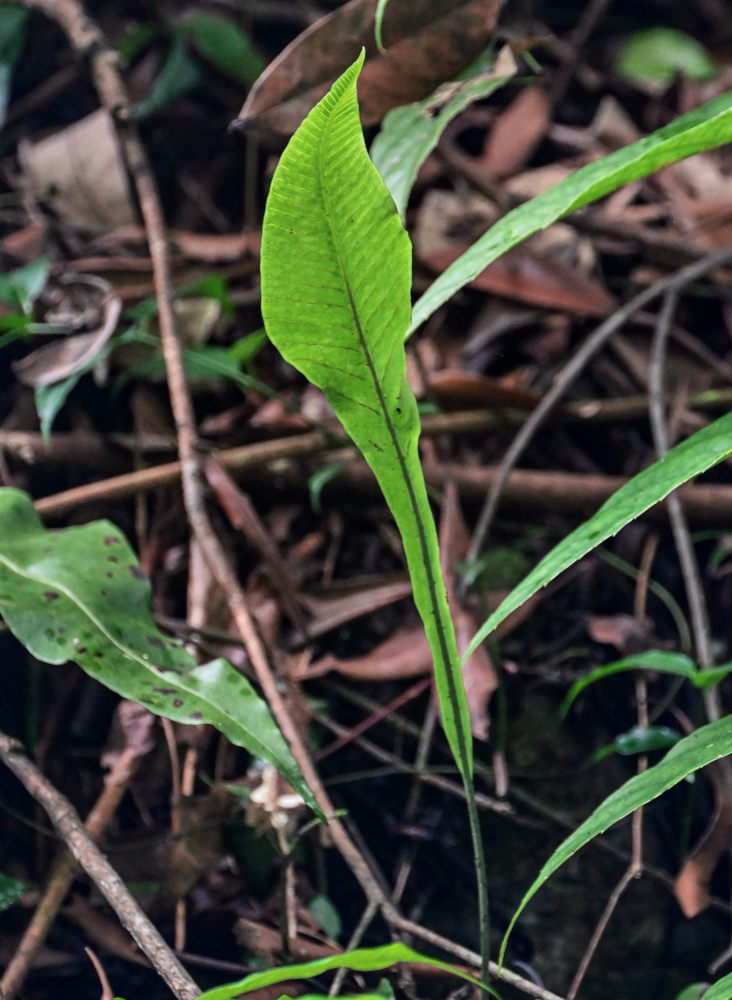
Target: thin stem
481	876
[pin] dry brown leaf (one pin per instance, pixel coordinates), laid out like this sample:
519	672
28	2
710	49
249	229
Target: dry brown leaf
427	42
133	728
67	355
479	675
260	939
79	173
404	654
334	606
692	883
454	389
516	133
626	633
538	280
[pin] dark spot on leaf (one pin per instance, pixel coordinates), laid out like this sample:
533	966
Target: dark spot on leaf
196	715
61	629
82	649
99	654
154	641
51	595
165	690
112	559
110	576
177	703
111	540
103	593
137	573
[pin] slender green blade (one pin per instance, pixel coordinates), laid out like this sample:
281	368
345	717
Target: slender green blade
698	453
652	659
79	594
721	990
359	960
705	128
693	752
336	277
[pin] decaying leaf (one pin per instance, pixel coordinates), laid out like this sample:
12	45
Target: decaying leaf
479	675
79	172
447	223
427	42
404	654
692	883
66	356
516	133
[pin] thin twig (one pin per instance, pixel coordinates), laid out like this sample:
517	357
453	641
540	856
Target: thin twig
65	869
572	369
71	830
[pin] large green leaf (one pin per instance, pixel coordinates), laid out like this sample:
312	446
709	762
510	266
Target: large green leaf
79	594
336	278
360	960
705	128
693	752
13	21
699	452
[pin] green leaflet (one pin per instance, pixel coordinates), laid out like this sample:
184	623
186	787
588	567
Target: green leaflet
336	277
701	451
359	960
653	659
693	752
79	594
410	133
705	128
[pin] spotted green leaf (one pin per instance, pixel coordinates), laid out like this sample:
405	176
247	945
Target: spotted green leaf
79	594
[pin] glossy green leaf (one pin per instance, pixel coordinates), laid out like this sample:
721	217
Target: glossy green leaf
336	279
701	451
180	75
653	659
22	286
79	594
226	45
410	133
659	55
326	916
49	400
13	21
721	990
11	889
690	754
360	960
695	991
639	739
705	128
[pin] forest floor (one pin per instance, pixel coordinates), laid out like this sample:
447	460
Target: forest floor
86	429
